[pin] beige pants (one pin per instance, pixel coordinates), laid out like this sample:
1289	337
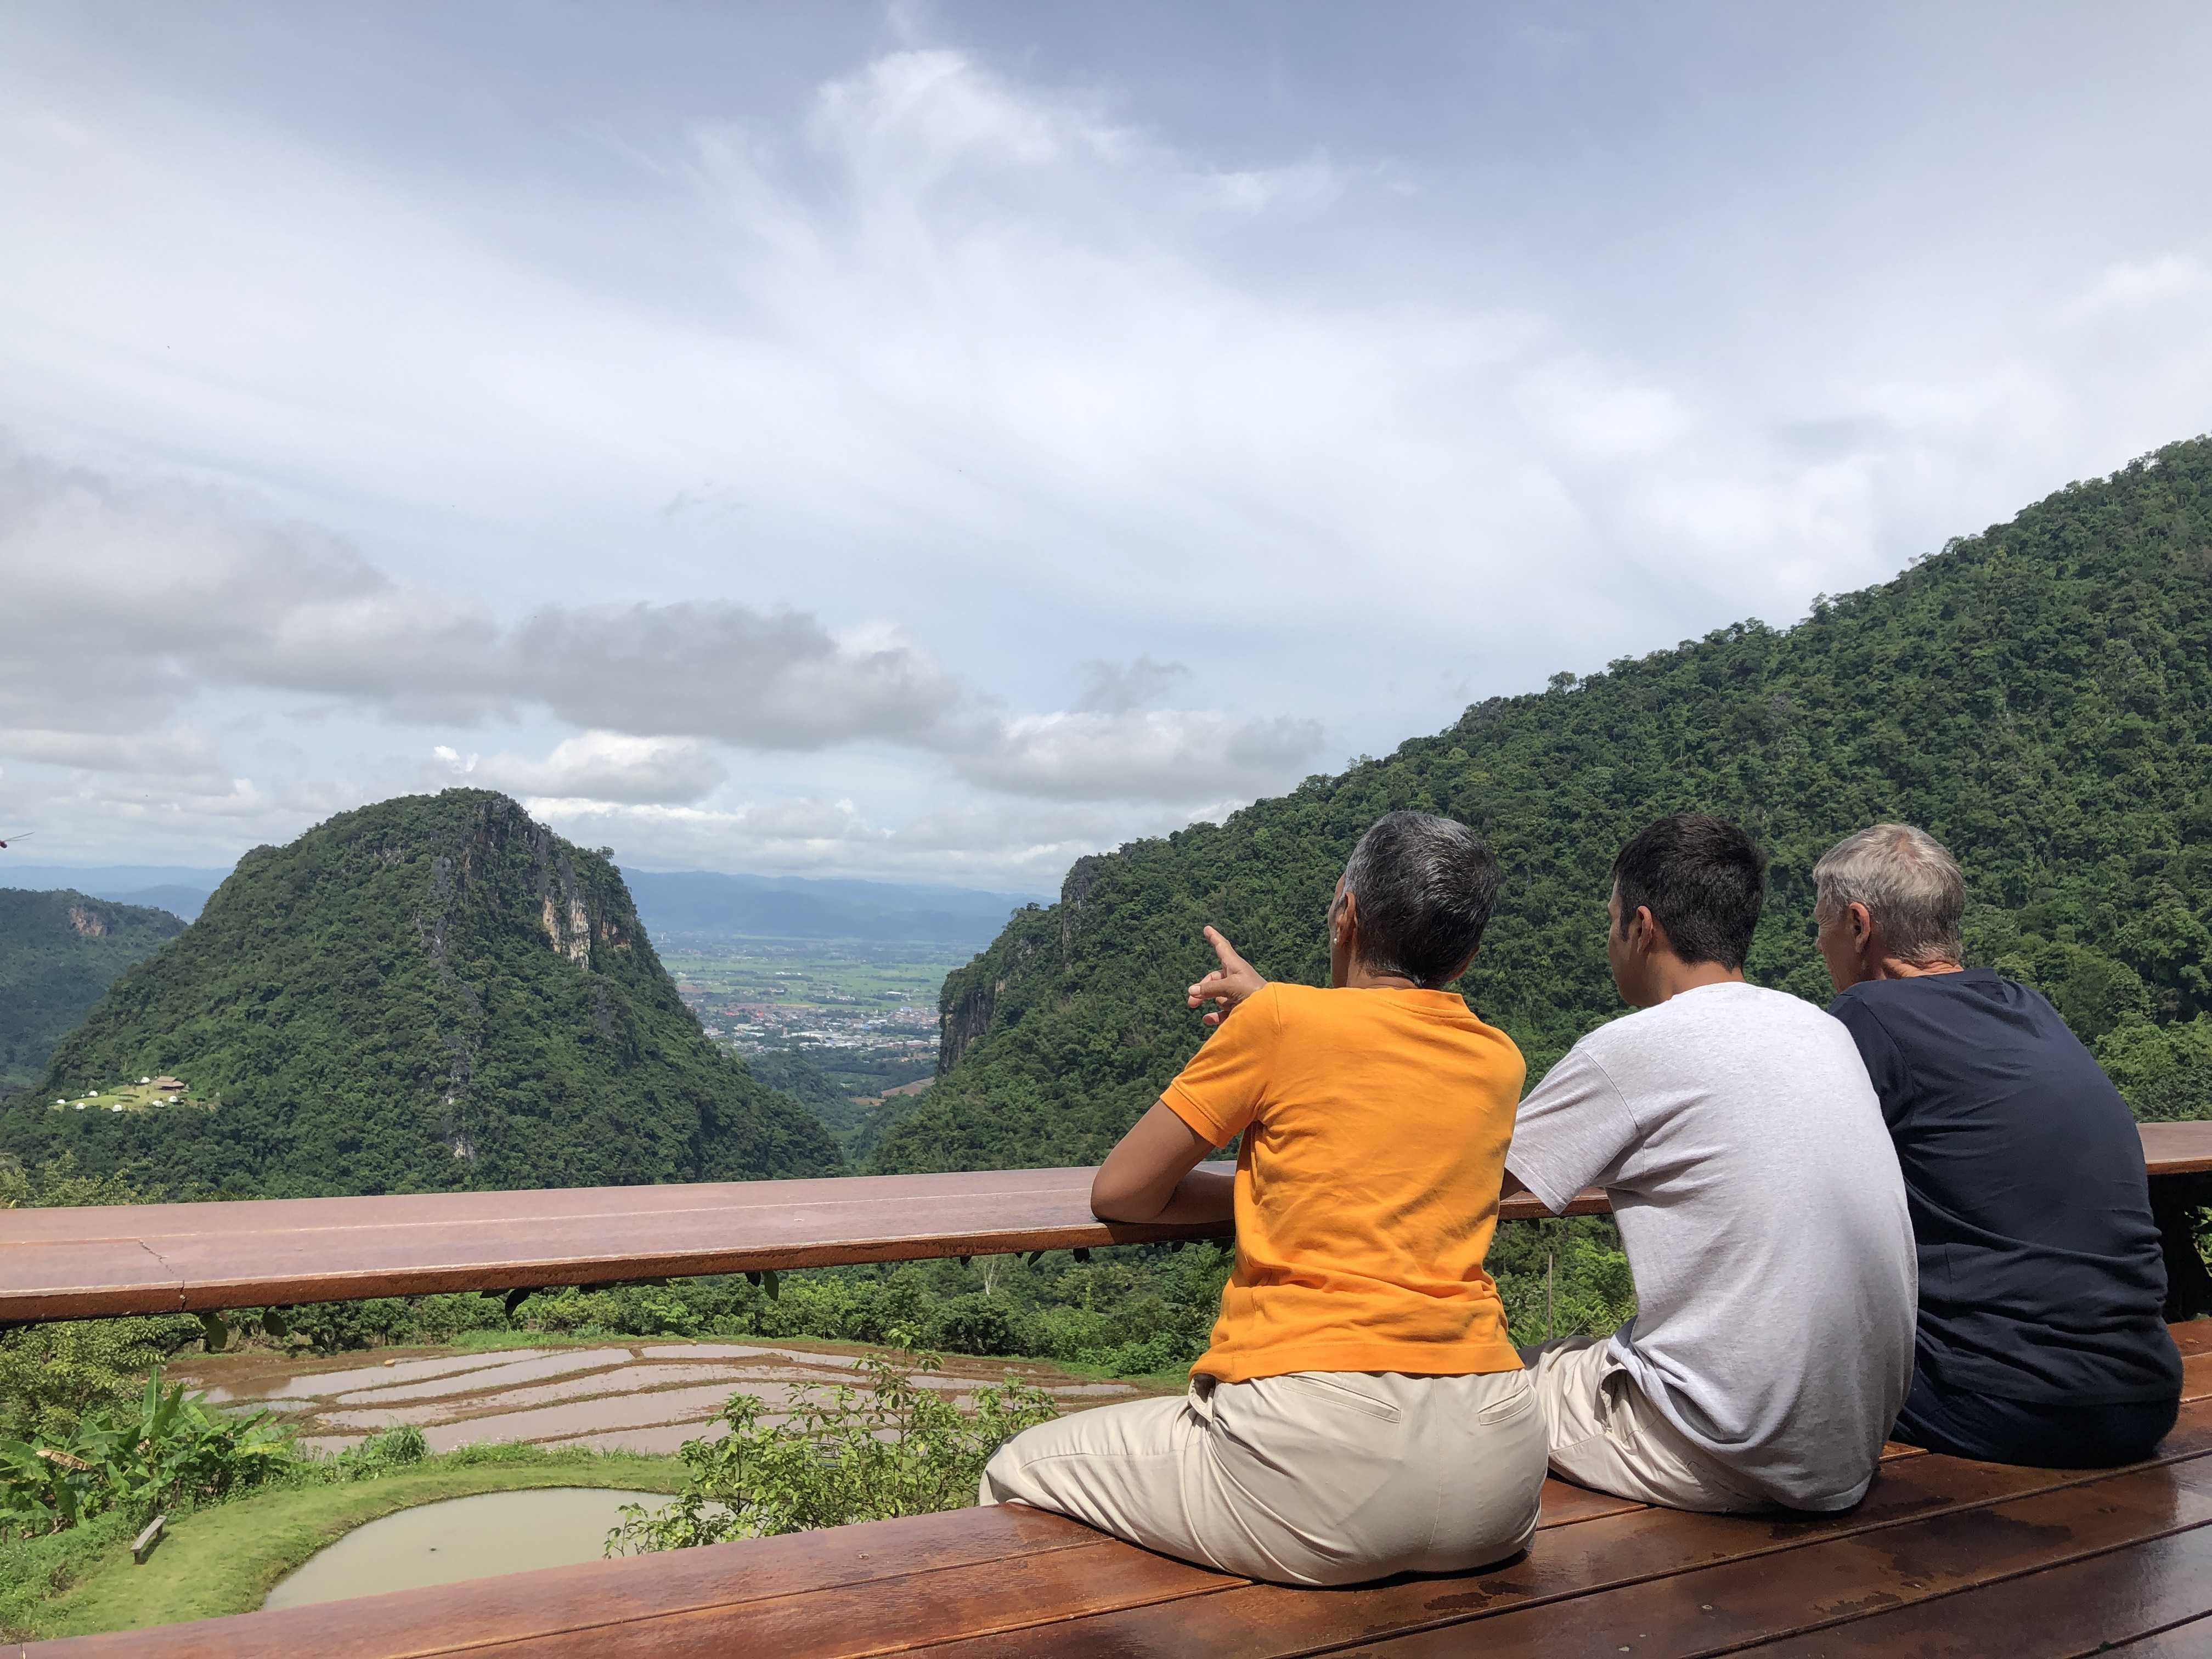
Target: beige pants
1315	1478
1606	1434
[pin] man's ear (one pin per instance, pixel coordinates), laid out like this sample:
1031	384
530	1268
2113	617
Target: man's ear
1861	921
1645	932
1346	926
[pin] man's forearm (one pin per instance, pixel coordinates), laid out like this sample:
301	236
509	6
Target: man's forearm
1201	1196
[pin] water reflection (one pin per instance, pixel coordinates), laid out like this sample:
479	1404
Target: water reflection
462	1538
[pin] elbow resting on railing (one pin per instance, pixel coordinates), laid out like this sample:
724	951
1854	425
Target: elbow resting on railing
1153	1175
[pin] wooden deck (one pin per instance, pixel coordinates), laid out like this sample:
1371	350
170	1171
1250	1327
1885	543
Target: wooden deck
1944	1556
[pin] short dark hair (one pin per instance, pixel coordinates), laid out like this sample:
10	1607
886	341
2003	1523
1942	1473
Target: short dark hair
1704	881
1426	886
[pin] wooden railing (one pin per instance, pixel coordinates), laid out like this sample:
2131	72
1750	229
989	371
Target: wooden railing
167	1258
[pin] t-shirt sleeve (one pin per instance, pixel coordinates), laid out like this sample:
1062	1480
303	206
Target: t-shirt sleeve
1571	1132
1222	1089
1884	1061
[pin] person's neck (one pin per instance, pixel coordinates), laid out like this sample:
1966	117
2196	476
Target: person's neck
1360	980
1671	976
1897	968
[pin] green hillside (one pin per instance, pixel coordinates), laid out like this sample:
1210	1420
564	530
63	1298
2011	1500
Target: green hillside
431	993
2038	695
59	954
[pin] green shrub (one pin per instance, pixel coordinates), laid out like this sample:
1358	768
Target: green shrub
974	1324
889	1448
167	1447
381	1454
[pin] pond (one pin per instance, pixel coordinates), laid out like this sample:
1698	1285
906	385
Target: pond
459	1538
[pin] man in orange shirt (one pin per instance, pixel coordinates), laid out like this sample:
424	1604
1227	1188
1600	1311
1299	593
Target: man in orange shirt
1360	1411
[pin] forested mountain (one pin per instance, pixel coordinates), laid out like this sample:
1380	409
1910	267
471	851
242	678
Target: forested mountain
59	954
2038	695
178	889
431	993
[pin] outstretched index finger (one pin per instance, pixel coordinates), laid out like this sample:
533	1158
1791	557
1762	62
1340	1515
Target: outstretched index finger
1224	949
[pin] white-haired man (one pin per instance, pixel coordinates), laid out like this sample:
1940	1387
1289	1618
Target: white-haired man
2041	1340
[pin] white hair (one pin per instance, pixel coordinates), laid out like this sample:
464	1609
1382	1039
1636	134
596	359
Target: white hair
1907	881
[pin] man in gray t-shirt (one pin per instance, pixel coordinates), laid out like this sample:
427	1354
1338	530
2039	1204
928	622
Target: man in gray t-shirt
1758	1199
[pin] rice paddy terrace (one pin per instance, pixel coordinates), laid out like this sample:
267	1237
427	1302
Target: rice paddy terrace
618	1395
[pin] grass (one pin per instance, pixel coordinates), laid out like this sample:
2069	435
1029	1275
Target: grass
227	1559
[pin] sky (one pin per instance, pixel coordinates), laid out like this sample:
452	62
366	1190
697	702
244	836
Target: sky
936	441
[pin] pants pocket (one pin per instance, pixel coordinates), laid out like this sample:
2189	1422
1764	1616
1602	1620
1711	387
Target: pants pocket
1337	1388
1516	1401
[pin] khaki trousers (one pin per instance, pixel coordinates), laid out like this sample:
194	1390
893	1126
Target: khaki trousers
1605	1434
1315	1478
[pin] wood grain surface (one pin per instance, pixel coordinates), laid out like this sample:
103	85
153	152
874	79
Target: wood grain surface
162	1258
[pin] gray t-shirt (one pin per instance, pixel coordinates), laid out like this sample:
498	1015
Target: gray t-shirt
1758	1198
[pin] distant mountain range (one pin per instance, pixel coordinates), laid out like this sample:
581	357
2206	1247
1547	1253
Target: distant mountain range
179	890
687	906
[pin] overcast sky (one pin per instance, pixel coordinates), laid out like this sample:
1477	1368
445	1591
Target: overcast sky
936	441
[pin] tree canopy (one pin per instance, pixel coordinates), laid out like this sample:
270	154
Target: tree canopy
60	952
2039	696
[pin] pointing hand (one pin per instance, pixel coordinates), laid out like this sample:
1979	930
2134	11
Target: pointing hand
1228	985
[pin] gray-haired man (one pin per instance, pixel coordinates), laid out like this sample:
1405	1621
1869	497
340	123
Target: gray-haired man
2040	1336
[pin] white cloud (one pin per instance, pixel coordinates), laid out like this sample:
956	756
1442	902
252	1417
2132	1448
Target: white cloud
124	601
1027	847
606	766
1167	755
1113	688
133	602
2132	286
177	751
823	451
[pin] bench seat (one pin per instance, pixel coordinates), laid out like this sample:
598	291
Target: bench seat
1944	1556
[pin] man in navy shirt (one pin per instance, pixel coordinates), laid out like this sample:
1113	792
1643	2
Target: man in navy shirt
2041	1339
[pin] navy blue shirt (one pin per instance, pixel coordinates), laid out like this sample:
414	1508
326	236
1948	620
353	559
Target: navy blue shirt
2041	1278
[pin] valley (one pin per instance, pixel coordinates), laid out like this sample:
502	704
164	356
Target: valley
863	1014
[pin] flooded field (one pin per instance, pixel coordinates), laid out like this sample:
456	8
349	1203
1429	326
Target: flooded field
462	1538
636	1395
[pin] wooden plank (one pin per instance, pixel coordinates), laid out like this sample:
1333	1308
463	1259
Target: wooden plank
1720	1608
2055	1613
1033	1595
155	1258
485	1612
1573	1560
2189	1641
159	1258
2173	1149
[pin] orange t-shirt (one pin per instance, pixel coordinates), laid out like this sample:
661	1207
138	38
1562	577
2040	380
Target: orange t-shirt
1375	1124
